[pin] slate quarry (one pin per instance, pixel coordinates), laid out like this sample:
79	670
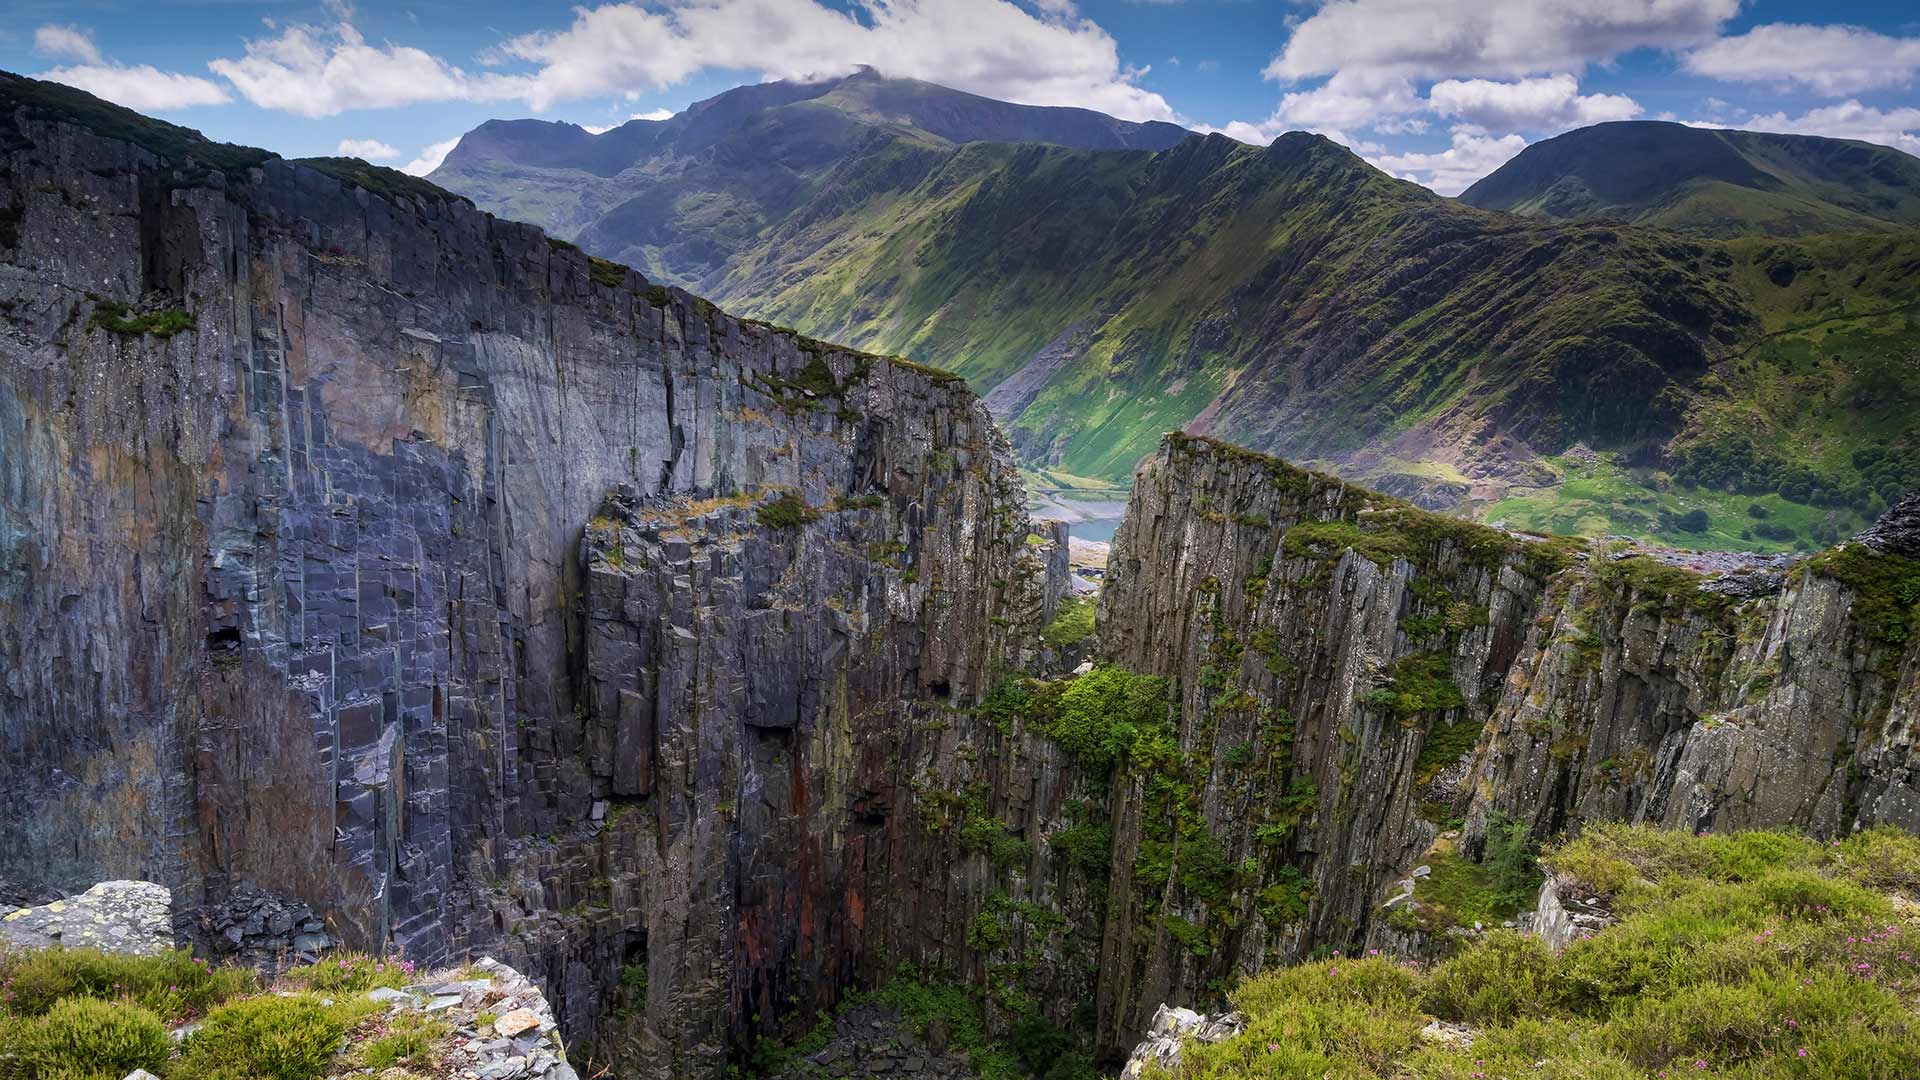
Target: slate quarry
476	597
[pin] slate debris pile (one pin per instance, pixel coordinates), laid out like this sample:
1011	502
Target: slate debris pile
252	926
502	1026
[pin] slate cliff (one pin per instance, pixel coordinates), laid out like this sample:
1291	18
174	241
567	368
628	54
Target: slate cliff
363	547
1356	677
292	592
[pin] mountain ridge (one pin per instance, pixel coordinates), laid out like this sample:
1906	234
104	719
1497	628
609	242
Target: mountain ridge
1294	298
1710	181
368	549
672	197
954	115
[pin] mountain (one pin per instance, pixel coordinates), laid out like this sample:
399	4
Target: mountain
675	198
1568	375
366	555
1711	182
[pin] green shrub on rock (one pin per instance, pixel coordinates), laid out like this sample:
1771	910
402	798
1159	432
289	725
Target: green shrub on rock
410	1038
1506	975
1072	625
350	973
83	1039
174	985
786	511
1106	715
274	1037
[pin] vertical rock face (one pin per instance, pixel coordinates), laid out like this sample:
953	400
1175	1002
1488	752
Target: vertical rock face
293	481
1375	671
368	549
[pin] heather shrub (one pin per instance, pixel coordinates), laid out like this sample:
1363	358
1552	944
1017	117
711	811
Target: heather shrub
271	1037
84	1038
1504	975
350	973
174	985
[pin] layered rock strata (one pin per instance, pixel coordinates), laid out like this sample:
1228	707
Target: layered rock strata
1353	674
363	548
294	472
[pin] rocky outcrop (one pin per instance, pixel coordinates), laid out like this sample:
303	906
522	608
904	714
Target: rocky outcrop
363	551
253	928
1354	673
1898	532
133	917
499	1025
1564	911
1170	1029
293	481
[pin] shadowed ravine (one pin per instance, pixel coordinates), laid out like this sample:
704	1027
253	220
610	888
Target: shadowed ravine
364	547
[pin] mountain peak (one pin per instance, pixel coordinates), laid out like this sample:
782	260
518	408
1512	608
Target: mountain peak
1714	181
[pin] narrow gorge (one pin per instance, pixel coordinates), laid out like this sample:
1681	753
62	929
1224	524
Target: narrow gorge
367	549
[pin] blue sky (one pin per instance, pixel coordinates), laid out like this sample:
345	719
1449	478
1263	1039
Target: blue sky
1435	90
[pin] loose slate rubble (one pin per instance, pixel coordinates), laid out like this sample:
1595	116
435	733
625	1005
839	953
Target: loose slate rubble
521	1041
254	927
1171	1027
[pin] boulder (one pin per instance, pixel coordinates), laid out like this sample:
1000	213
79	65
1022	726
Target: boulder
1171	1028
133	917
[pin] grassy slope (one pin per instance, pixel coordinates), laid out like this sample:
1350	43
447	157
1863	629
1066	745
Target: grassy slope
1298	301
1752	955
1832	371
1708	182
1319	288
1341	316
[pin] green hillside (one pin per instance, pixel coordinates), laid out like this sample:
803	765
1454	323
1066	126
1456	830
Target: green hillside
677	198
1583	375
1296	300
1707	181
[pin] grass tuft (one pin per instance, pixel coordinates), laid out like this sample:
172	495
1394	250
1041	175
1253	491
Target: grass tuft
1751	955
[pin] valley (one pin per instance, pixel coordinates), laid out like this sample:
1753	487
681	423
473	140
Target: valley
1294	299
481	591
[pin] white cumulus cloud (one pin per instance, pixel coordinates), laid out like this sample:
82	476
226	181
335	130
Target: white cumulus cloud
430	157
1350	99
323	71
1495	70
1500	38
1896	127
1830	60
1545	104
143	86
370	149
1045	55
1472	155
653	114
67	42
